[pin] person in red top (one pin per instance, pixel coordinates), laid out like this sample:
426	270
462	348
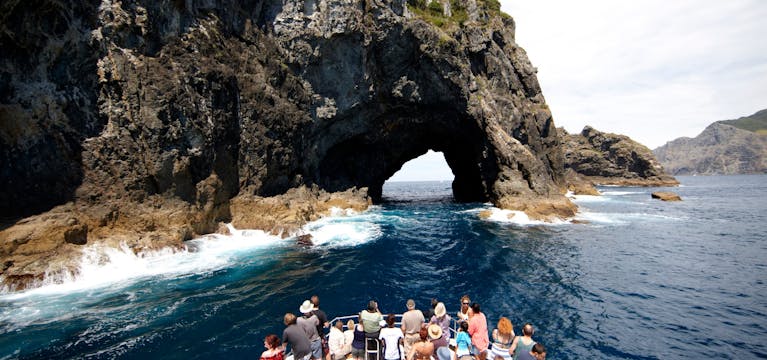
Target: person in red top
478	332
273	349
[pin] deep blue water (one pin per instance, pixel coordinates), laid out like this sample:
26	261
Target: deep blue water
643	279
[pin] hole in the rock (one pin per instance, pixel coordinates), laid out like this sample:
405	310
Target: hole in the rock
423	179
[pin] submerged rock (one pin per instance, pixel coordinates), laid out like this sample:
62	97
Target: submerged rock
305	240
666	196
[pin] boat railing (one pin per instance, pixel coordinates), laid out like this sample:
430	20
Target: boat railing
454	324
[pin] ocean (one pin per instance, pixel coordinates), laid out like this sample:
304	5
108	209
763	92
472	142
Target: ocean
638	279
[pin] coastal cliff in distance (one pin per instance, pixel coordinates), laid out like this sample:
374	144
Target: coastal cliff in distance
723	148
147	123
594	157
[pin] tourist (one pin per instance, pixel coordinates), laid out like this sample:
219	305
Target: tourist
273	348
522	344
309	323
442	319
538	352
323	322
321	316
295	336
392	338
371	319
422	349
503	336
430	311
358	343
478	332
435	336
349	333
463	314
463	342
412	321
444	353
337	345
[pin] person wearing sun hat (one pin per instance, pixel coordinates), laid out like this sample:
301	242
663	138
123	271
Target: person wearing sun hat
442	319
436	336
309	323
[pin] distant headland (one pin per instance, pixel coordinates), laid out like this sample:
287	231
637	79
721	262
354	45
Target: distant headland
724	148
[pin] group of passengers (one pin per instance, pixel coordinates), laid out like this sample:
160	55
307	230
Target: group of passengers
420	336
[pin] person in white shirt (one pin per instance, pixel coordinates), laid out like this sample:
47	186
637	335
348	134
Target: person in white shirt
338	348
349	333
392	338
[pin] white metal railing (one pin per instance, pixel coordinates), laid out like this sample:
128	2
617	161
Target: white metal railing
398	322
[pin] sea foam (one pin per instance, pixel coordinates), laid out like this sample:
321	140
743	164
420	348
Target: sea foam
343	228
104	266
514	217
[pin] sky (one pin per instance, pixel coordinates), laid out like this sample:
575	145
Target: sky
654	70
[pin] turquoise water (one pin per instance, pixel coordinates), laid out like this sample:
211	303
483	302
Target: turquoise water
643	279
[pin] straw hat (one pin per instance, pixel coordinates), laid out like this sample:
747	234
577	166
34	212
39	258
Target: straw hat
439	310
435	332
306	307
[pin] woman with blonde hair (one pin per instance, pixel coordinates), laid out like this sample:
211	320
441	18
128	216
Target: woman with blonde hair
503	336
349	333
463	314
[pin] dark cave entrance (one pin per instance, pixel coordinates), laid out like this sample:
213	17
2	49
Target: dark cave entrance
386	143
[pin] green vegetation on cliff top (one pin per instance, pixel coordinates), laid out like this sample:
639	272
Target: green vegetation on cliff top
756	123
431	11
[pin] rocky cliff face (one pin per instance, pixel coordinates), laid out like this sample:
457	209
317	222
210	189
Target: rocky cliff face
156	120
720	149
611	159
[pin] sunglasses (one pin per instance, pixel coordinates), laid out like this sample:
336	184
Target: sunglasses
466	303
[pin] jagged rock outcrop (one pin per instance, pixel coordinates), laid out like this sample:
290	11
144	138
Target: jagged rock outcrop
609	159
666	196
150	122
720	149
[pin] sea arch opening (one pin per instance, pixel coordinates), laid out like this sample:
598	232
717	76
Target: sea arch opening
380	148
427	177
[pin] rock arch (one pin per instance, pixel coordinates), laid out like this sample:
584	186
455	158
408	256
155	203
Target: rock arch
172	119
386	96
370	158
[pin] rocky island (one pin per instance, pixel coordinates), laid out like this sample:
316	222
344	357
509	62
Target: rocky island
147	123
593	158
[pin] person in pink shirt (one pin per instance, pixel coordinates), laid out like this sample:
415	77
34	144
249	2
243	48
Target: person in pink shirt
478	332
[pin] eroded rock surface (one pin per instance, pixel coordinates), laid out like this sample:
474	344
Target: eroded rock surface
151	122
602	158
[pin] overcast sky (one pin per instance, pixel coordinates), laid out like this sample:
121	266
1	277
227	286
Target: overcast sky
654	70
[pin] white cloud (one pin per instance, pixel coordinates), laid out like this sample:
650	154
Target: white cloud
653	70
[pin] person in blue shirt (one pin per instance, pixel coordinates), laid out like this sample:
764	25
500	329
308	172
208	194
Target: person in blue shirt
463	342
